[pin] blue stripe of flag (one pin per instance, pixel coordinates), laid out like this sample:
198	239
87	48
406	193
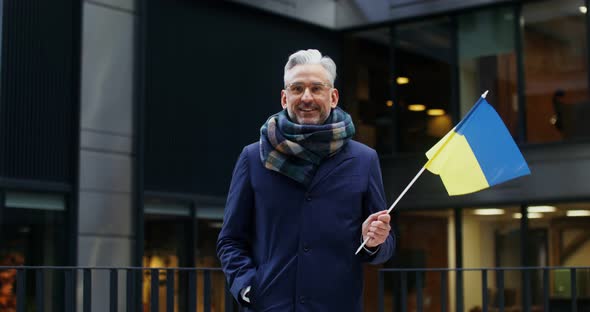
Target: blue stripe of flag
493	146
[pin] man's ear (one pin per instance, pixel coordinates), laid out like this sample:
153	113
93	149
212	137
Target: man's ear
334	96
283	99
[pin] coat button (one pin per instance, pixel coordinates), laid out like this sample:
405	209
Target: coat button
307	197
302	299
306	248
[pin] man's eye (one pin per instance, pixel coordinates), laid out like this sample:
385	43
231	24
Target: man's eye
316	89
297	89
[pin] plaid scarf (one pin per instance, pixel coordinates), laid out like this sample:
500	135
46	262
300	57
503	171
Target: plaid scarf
296	150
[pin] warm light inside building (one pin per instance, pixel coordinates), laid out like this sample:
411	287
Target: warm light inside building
489	212
541	209
530	215
389	103
417	107
578	213
402	80
435	112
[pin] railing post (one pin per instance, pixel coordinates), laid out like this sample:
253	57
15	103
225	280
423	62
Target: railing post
459	290
526	296
380	291
484	290
546	290
404	291
69	296
131	300
419	297
87	290
169	290
573	283
207	291
40	294
500	282
114	291
154	287
396	293
444	293
20	290
192	290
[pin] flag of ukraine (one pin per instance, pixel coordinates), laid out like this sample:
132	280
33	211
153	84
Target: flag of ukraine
478	153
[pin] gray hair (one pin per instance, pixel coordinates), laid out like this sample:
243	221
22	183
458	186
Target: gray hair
311	56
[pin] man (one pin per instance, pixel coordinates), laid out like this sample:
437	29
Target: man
297	201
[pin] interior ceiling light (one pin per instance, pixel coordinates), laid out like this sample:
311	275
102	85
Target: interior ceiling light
435	112
578	213
417	107
402	80
583	9
489	212
541	209
530	215
389	103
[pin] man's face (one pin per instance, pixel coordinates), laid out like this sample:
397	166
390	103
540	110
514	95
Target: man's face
308	96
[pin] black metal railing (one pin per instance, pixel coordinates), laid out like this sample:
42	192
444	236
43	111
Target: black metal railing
145	289
86	289
533	289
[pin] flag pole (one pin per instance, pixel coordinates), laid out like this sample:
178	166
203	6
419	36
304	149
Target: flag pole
395	203
408	187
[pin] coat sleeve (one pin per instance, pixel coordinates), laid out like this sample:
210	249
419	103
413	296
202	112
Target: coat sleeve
234	244
374	201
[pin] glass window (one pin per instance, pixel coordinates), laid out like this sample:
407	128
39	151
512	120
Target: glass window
568	244
169	232
425	240
32	232
556	71
209	215
491	238
557	235
487	61
166	245
367	88
422	59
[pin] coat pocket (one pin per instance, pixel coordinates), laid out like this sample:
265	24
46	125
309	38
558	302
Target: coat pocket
257	288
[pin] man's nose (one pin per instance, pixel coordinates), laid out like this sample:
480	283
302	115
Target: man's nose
306	95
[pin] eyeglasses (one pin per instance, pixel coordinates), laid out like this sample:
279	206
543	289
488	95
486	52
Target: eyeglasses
316	88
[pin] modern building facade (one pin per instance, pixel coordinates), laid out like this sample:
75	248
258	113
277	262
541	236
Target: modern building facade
120	122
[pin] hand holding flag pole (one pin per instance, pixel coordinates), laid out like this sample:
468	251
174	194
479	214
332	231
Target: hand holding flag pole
394	203
476	154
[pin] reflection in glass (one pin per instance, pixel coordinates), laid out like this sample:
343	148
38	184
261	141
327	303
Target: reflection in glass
554	238
423	243
487	61
491	238
209	222
32	233
556	71
167	227
367	88
423	54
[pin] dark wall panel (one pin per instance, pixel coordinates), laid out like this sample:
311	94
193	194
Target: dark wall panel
38	88
214	72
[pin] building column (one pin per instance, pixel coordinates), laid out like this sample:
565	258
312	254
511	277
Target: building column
105	231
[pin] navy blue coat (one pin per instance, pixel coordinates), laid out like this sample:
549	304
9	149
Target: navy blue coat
294	245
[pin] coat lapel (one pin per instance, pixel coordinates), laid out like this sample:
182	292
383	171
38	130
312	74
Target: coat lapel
328	165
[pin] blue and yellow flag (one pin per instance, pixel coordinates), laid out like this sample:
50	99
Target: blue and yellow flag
478	153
